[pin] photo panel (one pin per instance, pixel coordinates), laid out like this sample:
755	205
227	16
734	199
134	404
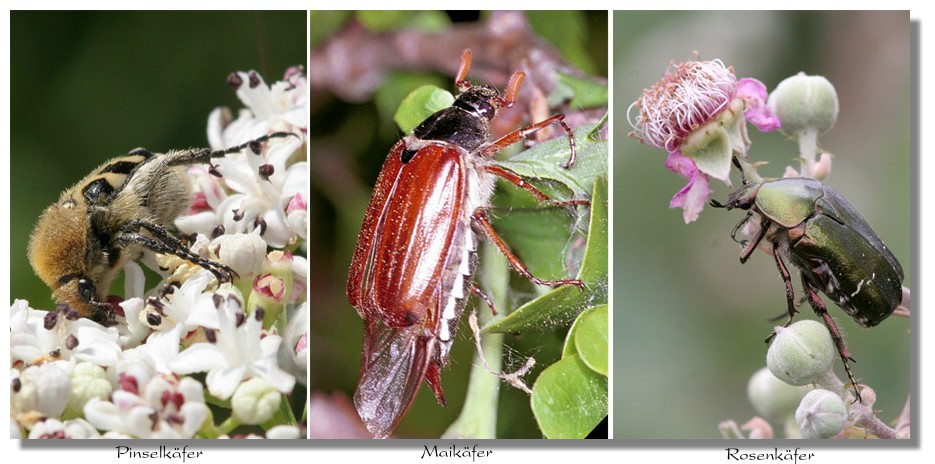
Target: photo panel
439	212
696	192
163	294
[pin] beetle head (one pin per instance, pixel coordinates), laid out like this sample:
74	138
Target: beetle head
743	198
481	101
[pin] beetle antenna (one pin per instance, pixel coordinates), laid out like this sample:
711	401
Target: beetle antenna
512	89
204	155
463	69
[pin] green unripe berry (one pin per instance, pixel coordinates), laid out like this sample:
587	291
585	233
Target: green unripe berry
804	103
772	398
802	353
822	414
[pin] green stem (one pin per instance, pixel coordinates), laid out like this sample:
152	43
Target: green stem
211	431
228	426
808	151
829	381
478	418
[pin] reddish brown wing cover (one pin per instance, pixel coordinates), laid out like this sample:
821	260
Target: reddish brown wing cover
406	236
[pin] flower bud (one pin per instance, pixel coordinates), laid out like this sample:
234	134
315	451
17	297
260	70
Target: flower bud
268	293
802	353
804	103
88	381
297	215
255	401
244	253
821	414
44	388
772	398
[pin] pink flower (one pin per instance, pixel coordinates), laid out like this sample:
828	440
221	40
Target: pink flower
688	96
697	114
753	93
693	196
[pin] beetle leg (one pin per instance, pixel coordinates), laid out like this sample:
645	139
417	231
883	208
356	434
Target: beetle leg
480	218
480	294
166	243
433	378
822	312
787	279
519	134
104	313
733	233
750	246
518	181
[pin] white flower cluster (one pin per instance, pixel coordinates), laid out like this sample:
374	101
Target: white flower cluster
74	378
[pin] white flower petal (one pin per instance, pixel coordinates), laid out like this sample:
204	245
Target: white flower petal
223	381
283	432
199	357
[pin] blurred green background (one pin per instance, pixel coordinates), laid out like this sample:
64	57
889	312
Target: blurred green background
350	143
88	86
689	319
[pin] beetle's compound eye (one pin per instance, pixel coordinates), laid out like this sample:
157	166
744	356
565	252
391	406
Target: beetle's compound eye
87	289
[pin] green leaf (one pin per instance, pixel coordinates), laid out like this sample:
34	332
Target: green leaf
389	20
710	149
590	338
569	399
325	23
545	161
594	266
567	31
396	87
537	235
561	305
420	104
583	92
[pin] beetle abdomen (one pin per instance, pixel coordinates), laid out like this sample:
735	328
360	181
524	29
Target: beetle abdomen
866	287
455	289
